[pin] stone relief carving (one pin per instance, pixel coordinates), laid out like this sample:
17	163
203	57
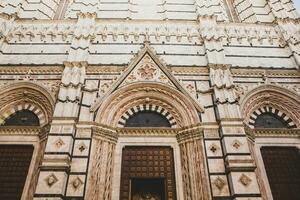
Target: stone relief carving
77	183
219	183
51	180
214	148
82	147
59	143
236	144
245	180
147	70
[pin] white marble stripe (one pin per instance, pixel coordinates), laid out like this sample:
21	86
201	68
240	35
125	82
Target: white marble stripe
254	116
153	107
125	115
130	112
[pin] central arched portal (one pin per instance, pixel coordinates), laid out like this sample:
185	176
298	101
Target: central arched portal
147	171
147	162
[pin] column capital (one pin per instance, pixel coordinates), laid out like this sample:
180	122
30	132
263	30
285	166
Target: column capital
190	134
105	133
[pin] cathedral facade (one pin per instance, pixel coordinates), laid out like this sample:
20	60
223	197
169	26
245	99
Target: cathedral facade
149	100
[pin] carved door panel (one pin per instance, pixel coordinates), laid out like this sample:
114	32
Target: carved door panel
14	164
282	165
147	173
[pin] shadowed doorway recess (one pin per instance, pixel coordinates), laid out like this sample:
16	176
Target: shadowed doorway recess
147	173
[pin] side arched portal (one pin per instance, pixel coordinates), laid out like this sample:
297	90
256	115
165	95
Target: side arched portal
280	102
26	96
272	113
25	110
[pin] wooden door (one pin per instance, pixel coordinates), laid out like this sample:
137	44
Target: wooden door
147	170
282	165
14	164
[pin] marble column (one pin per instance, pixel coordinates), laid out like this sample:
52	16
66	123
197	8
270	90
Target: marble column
195	178
101	165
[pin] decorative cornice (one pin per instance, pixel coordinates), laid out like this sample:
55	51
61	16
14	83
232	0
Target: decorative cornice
260	72
104	69
78	64
190	70
14	69
272	133
22	131
147	132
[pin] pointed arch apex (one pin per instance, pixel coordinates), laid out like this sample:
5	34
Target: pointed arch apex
147	67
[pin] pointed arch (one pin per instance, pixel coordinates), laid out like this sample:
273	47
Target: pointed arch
26	96
117	107
282	102
147	63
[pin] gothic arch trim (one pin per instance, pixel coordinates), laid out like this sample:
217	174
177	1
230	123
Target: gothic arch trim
133	95
275	98
26	96
147	107
269	109
24	106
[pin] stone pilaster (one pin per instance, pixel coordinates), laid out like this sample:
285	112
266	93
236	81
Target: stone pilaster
65	163
215	161
101	165
213	147
194	174
56	162
231	145
239	164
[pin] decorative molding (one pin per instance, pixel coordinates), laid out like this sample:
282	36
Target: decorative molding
93	69
21	131
272	133
246	72
34	70
147	132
